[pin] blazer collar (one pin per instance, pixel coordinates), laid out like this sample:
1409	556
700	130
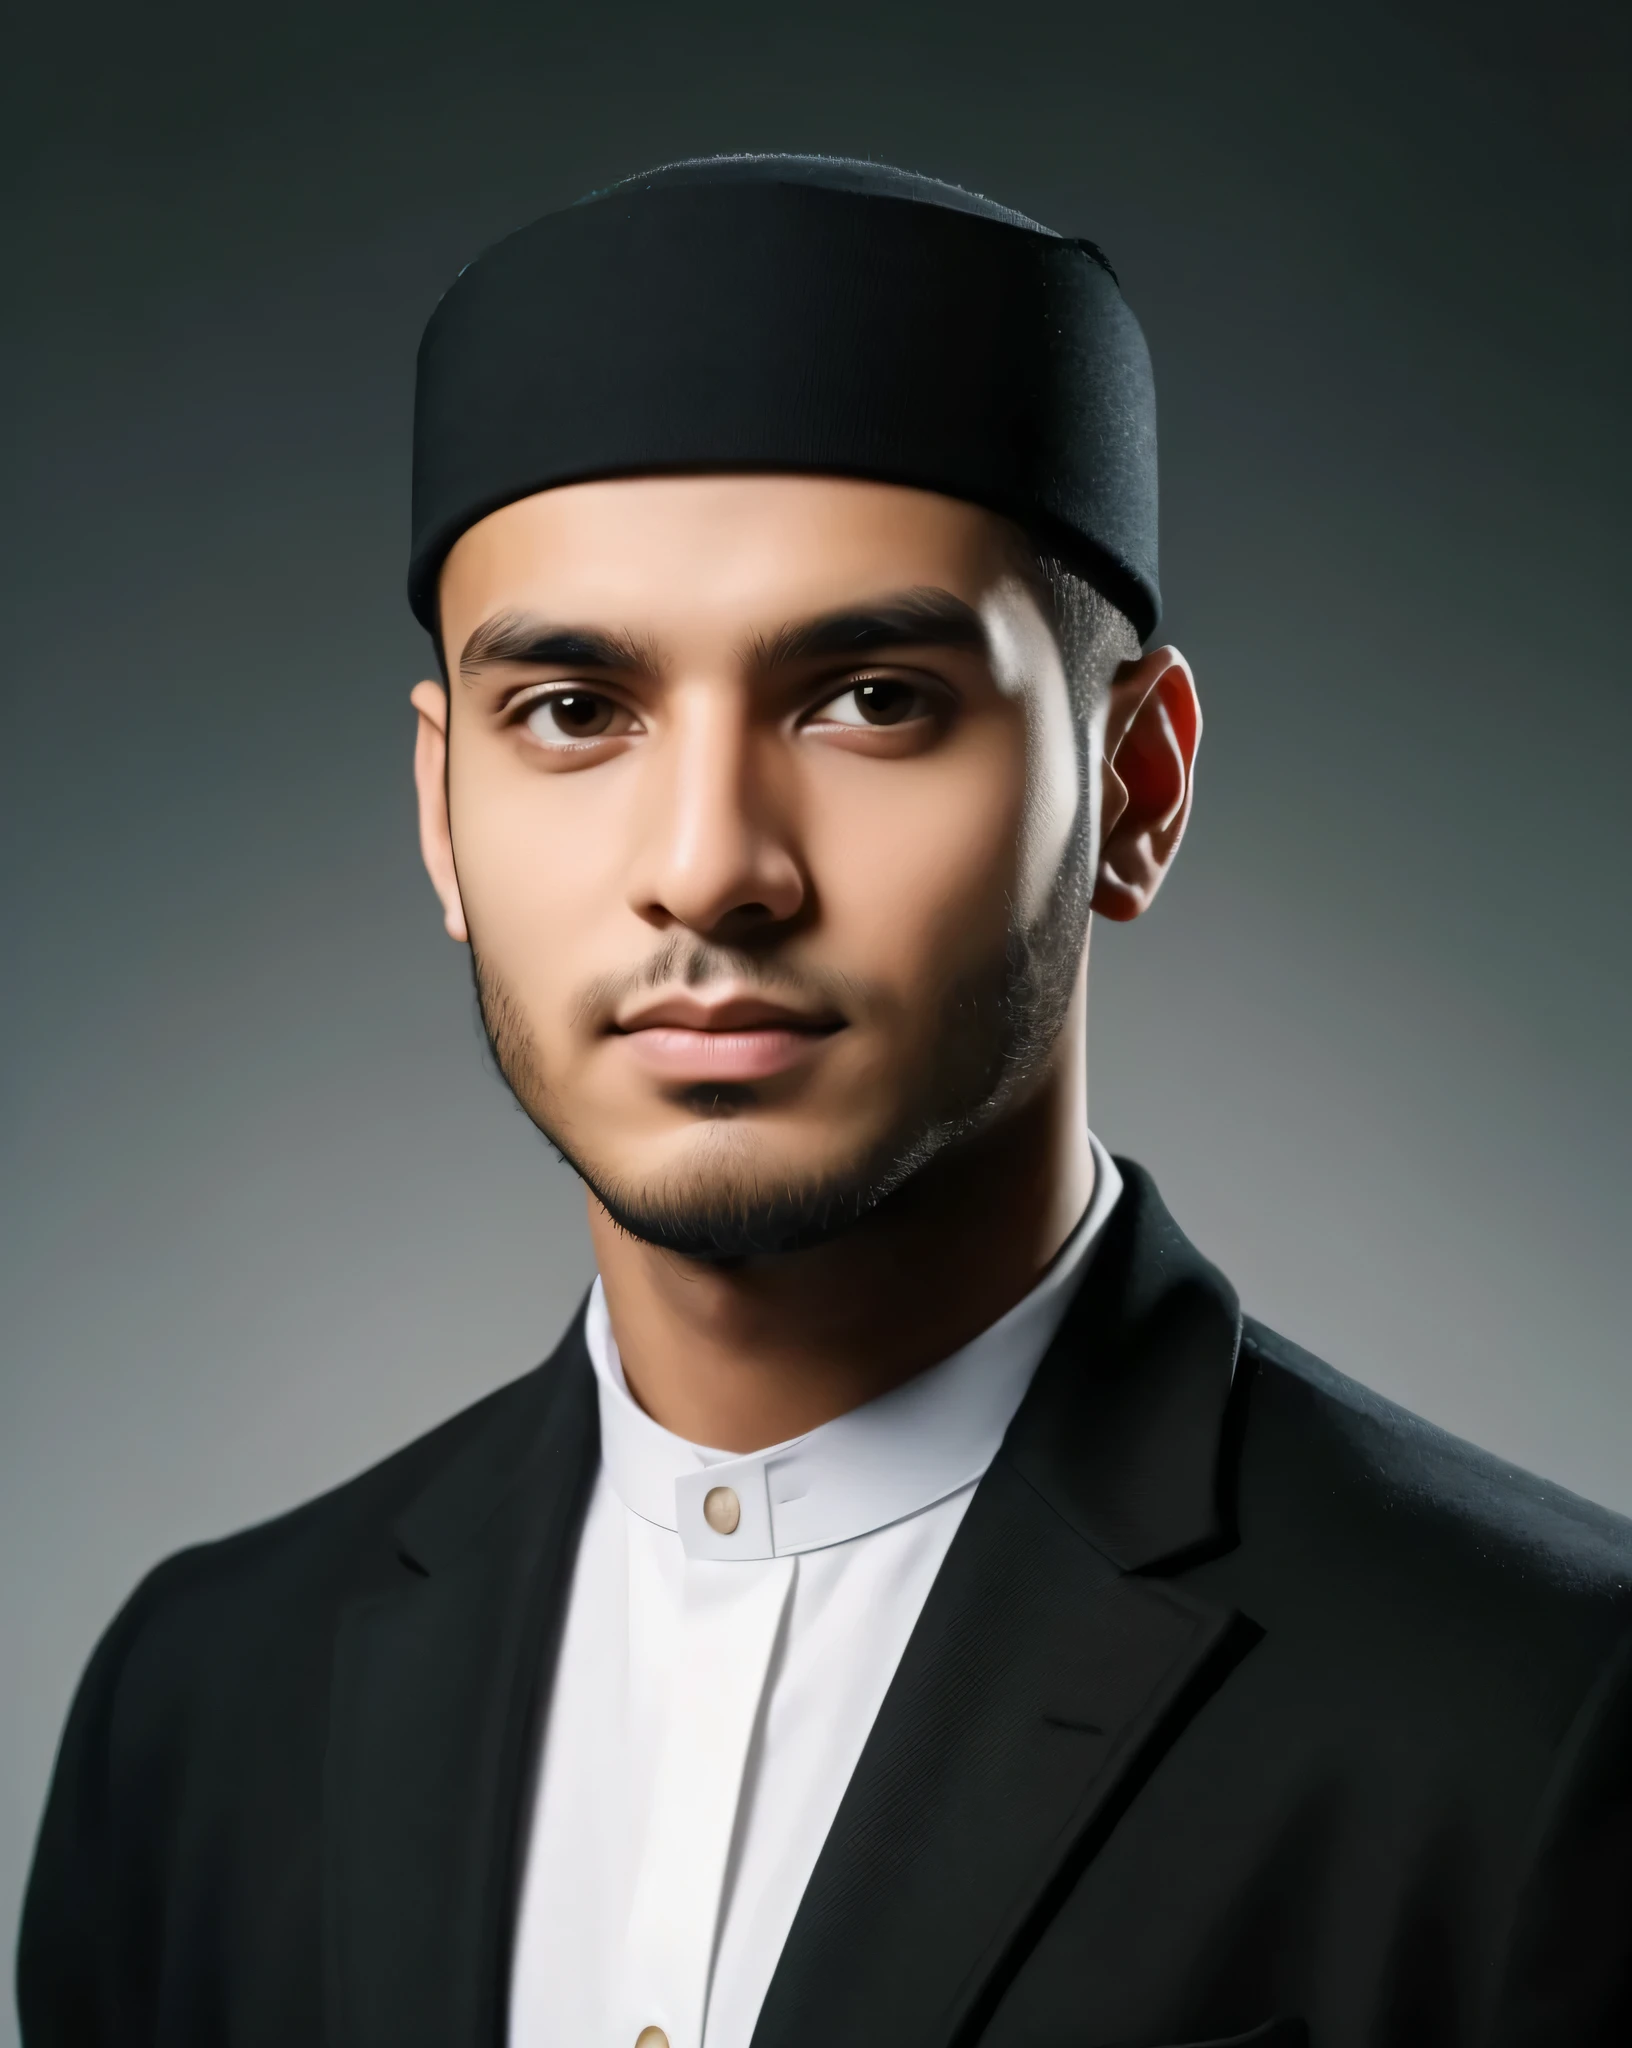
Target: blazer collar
526	1437
1126	1430
1051	1669
437	1694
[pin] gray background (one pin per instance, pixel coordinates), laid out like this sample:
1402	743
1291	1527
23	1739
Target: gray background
266	1213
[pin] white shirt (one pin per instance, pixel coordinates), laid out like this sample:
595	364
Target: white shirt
714	1690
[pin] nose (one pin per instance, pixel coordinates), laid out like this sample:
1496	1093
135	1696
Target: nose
716	854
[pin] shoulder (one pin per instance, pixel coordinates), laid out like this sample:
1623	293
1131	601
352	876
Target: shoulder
1397	1462
205	1707
203	1622
1350	1490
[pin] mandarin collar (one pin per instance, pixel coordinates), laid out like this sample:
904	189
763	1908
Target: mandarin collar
877	1464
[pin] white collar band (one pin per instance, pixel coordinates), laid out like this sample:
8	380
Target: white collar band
888	1459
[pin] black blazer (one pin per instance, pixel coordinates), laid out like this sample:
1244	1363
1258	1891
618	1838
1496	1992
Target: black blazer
1245	1707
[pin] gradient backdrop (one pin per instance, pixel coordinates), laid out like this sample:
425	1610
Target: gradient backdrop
267	1215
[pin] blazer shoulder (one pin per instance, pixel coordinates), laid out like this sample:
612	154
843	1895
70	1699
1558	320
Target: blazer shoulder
296	1568
219	1667
1368	1457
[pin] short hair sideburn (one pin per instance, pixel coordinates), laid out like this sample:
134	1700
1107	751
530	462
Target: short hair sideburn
1094	636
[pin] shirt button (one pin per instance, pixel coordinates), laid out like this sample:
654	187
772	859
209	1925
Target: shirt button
651	2037
722	1511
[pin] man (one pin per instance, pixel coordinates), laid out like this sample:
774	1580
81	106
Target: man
911	1605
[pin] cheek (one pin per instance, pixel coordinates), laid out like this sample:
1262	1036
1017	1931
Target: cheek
538	867
1054	792
917	864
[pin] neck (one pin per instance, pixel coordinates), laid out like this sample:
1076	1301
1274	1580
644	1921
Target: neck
743	1356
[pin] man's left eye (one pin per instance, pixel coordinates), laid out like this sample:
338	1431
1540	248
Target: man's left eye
882	702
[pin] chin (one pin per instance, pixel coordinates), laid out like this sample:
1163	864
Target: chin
736	1163
731	1192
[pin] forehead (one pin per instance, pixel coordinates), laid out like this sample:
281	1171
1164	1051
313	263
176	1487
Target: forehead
735	550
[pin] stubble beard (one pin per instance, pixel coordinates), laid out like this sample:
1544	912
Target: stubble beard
993	1032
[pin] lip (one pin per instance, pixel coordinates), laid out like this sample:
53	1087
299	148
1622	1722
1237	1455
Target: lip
733	1037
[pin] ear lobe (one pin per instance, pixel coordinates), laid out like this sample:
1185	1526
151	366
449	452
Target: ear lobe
1152	732
431	781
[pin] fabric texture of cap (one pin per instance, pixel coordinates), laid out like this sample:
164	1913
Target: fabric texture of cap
795	314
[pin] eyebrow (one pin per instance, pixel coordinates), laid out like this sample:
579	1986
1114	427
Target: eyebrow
517	639
910	618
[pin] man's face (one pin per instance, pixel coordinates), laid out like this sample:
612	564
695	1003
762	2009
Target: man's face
760	790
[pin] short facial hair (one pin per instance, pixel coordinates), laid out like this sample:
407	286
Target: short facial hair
999	1025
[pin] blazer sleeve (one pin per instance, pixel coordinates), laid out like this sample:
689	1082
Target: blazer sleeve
76	1926
1569	1961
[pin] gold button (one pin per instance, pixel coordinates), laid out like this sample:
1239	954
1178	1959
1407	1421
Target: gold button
722	1511
652	2037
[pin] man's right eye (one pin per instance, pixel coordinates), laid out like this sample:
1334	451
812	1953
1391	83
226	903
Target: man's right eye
570	717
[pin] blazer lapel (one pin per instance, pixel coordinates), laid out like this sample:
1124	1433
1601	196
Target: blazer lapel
1049	1670
436	1692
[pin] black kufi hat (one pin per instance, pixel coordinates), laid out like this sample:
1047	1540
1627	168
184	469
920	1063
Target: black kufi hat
782	313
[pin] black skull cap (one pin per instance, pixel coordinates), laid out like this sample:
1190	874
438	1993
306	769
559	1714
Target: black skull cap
795	313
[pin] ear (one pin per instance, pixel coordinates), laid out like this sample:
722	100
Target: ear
1152	730
430	700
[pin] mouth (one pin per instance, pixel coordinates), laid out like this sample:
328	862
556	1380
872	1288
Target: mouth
688	1038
